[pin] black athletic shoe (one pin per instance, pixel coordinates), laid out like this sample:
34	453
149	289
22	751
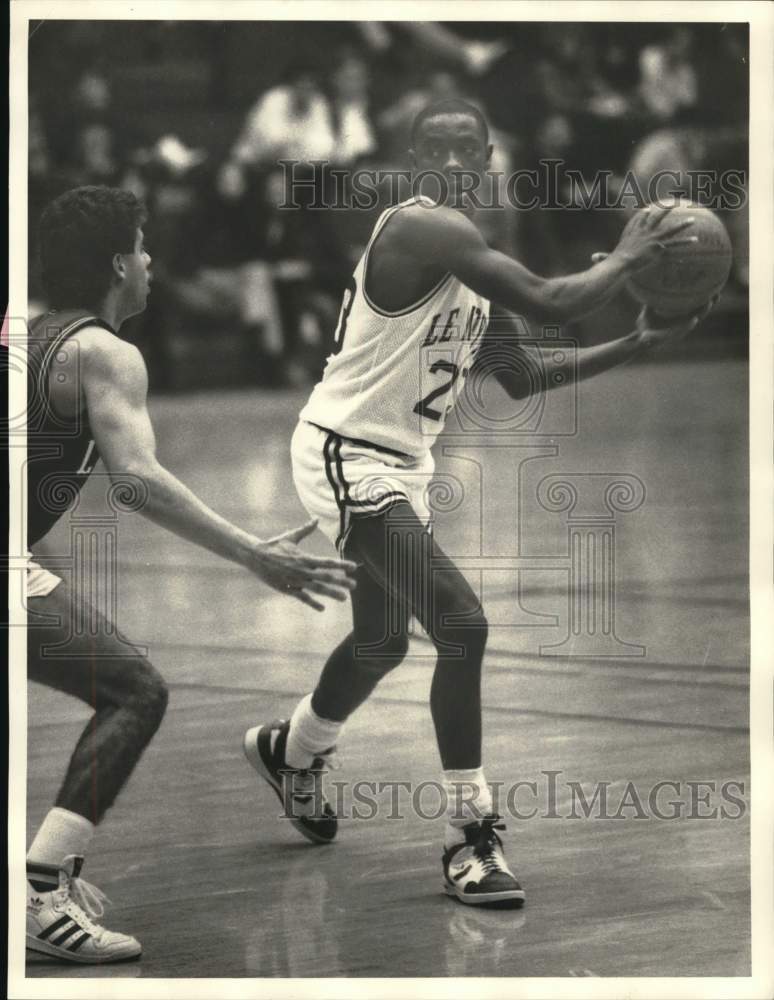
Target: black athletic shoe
476	872
299	790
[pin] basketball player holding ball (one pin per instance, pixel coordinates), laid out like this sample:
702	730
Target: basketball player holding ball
362	461
89	386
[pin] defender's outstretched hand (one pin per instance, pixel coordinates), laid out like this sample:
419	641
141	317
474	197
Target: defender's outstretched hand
282	565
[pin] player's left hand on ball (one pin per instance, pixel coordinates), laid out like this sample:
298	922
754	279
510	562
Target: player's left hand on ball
282	565
654	328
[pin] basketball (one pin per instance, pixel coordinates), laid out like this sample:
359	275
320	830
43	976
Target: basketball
685	277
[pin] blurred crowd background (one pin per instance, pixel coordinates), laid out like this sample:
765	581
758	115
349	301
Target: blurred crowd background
193	117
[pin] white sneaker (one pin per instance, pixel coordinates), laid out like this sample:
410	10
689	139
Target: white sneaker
61	921
476	872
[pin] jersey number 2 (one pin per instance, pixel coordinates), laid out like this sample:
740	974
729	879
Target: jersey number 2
423	407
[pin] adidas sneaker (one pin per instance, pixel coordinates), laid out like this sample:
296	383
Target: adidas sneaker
62	914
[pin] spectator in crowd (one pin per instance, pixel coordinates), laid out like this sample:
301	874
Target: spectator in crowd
93	157
92	94
667	76
353	137
96	161
289	256
291	121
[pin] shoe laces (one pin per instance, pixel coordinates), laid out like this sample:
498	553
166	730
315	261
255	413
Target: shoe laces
86	898
487	844
304	780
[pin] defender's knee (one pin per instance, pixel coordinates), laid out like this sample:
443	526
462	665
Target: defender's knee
151	694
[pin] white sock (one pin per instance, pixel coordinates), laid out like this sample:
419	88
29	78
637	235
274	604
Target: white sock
468	798
61	833
309	735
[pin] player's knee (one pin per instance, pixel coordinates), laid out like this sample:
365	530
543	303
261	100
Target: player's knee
470	635
151	694
379	658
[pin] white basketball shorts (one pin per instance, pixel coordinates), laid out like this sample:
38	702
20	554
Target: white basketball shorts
338	478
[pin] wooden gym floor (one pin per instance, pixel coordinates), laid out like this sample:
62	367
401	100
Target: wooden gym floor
194	856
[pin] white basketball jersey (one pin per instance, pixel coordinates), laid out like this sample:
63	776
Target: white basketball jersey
393	377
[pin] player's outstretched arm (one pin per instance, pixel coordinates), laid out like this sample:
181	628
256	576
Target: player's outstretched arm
451	239
115	384
651	331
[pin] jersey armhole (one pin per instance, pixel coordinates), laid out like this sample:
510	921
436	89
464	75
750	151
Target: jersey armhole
423	299
44	375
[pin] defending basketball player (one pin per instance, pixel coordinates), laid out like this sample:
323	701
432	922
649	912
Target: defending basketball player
90	386
362	462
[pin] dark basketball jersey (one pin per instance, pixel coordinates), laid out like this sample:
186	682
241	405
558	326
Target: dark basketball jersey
61	452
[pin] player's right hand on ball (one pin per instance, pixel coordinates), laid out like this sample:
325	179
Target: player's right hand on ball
649	235
282	565
654	329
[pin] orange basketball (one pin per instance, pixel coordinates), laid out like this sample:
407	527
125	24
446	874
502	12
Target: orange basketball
685	277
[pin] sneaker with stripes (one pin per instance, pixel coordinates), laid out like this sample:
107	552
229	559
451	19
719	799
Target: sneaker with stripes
475	870
300	791
62	914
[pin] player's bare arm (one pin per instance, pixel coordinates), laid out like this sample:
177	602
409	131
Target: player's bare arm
114	384
452	241
651	331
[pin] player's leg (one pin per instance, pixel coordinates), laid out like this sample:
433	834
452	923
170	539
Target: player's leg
402	573
129	698
291	754
410	574
126	692
417	576
378	641
407	572
475	870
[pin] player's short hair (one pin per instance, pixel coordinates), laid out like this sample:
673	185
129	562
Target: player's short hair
450	106
78	235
